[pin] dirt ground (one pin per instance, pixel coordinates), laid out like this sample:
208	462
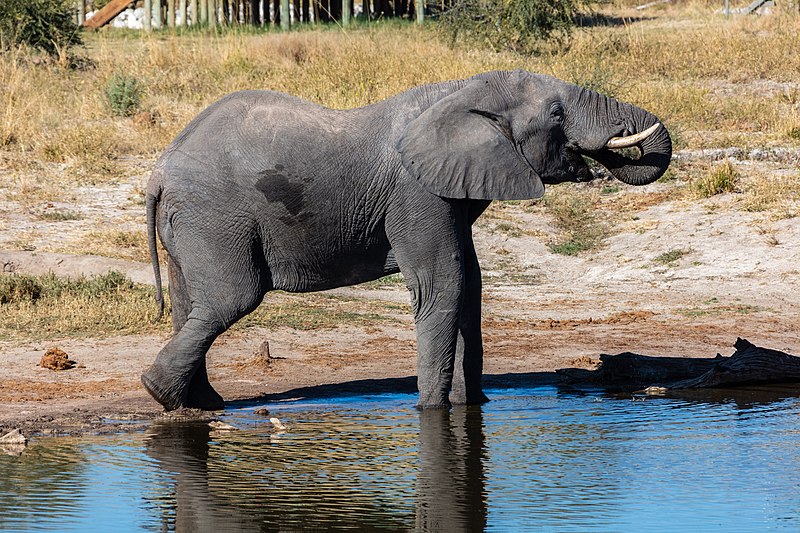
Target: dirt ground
737	276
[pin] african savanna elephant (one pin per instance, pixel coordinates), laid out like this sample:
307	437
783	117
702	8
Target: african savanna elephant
265	191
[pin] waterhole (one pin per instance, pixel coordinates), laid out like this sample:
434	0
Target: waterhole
536	459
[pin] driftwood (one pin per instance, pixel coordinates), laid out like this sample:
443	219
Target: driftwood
749	365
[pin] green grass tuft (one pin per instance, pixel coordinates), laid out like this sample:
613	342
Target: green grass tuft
124	94
576	214
60	215
671	256
720	179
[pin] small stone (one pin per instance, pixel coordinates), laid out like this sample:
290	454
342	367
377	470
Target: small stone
261	411
277	424
217	425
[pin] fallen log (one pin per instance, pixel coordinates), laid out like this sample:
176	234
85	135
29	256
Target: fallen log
749	365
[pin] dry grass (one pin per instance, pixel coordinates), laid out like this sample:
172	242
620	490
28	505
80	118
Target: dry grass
118	243
696	69
48	307
779	194
715	82
720	178
38	307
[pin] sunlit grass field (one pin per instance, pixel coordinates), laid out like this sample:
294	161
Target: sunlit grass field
715	81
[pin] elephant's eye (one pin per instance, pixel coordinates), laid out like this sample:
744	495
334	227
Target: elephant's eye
557	112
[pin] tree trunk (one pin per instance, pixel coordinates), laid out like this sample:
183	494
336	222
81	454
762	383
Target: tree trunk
285	20
212	13
148	15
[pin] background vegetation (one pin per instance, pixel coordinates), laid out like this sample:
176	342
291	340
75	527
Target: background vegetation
516	25
726	88
46	25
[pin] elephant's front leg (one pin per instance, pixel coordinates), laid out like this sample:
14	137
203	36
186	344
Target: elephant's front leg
436	303
429	247
468	367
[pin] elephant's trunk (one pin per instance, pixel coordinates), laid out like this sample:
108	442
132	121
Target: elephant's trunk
620	125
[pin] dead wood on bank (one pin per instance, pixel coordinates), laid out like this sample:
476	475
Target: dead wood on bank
749	365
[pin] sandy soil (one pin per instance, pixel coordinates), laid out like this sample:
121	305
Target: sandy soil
738	277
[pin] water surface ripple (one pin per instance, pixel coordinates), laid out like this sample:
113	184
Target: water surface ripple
530	460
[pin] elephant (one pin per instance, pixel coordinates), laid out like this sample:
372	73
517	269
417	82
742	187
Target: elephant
265	191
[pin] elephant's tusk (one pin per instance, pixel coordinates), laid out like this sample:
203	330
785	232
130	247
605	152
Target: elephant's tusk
631	140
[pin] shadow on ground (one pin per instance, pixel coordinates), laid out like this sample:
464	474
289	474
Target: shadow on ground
399	385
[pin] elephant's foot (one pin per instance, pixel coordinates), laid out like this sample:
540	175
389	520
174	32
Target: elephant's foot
202	395
459	397
198	395
433	400
171	397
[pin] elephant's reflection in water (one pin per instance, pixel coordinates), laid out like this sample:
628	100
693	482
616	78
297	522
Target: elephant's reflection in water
449	487
451	493
182	449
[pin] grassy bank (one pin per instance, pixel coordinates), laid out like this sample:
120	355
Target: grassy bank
46	307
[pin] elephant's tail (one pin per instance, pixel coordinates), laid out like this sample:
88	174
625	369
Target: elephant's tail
151	204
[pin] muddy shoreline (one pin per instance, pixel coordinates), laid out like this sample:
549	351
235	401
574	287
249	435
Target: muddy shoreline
530	331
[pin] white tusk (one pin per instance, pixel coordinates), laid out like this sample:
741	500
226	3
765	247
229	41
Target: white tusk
631	140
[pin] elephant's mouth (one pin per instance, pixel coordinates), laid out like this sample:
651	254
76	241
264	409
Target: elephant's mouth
573	168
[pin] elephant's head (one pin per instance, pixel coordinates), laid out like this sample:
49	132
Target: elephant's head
502	135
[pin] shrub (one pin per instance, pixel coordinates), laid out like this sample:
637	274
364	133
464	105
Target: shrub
519	25
46	25
719	180
19	289
124	94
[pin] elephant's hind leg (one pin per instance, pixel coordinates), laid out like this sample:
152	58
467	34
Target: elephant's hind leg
169	379
222	286
180	305
201	394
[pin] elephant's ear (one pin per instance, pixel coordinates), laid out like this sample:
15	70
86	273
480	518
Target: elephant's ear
462	148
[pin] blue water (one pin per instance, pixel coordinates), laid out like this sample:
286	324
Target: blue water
530	460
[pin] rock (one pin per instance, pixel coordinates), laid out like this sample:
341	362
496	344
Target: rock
13	437
13	443
56	359
277	424
261	411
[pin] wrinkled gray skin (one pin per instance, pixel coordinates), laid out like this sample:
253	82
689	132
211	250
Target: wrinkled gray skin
265	191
